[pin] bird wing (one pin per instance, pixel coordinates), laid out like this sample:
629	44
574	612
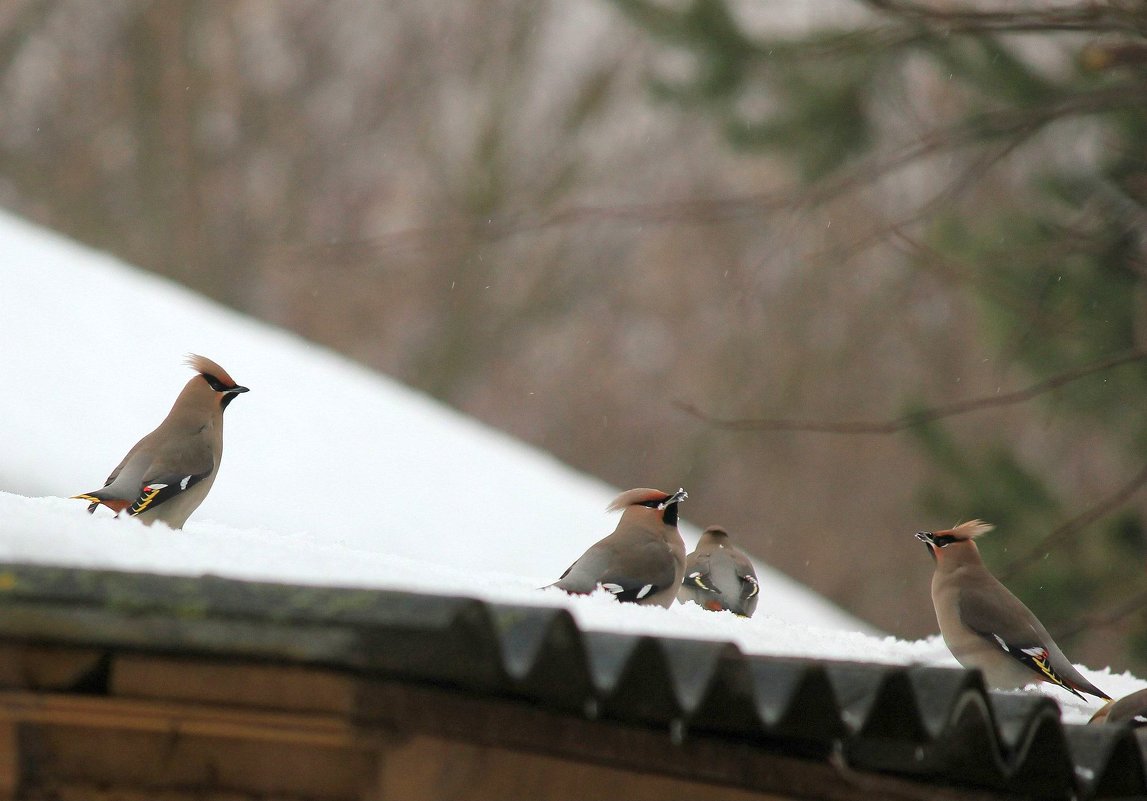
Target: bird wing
114	474
162	489
137	449
1005	622
119	498
747	576
699	573
630	573
640	571
172	474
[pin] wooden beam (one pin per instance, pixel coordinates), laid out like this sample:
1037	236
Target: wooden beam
186	736
719	764
177	766
46	667
426	768
284	688
9	759
180	718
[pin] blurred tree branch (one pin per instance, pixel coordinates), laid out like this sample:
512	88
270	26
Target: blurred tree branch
1094	513
1088	17
16	20
956	120
916	418
1010	126
1108	617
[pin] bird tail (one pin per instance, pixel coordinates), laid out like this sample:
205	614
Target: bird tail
95	499
1086	687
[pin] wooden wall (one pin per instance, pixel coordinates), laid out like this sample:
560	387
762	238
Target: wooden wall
93	725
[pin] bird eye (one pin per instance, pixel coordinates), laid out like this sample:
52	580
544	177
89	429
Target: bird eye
215	383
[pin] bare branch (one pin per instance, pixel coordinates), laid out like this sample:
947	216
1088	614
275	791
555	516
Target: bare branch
992	125
943	199
953	269
1108	617
920	417
1097	511
1086	17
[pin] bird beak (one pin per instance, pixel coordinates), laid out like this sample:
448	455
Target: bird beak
235	390
928	539
676	497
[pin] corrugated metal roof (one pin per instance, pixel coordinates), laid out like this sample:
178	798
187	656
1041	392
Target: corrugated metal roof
925	723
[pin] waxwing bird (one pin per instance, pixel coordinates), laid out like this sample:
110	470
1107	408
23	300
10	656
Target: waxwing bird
1130	710
170	471
985	626
719	577
643	560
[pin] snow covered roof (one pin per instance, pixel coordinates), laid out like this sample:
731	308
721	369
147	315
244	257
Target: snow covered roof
933	726
332	474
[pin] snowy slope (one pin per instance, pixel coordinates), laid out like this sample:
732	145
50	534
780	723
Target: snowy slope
332	474
321	450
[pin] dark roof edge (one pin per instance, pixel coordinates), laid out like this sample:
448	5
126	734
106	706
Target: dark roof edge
925	723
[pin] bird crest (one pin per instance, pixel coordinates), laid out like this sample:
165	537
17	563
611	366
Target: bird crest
644	496
206	367
971	529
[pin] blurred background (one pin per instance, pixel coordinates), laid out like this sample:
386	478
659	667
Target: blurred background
844	270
